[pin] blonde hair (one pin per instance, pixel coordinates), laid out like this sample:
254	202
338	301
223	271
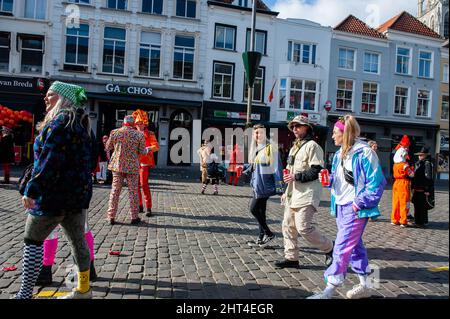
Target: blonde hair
351	133
65	105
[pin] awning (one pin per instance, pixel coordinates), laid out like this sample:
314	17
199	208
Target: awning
141	99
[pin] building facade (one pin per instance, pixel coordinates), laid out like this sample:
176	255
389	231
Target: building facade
442	151
127	54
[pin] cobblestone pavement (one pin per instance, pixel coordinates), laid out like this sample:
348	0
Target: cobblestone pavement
195	247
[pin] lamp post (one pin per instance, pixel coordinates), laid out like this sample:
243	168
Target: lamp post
250	84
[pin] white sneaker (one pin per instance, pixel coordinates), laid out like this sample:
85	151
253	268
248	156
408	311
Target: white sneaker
321	295
75	294
358	292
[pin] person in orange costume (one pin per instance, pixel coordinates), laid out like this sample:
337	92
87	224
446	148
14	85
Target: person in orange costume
402	185
147	161
235	167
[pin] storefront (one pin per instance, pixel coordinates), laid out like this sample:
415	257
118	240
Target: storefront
388	135
109	102
24	94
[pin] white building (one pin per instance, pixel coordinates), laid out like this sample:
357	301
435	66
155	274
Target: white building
128	54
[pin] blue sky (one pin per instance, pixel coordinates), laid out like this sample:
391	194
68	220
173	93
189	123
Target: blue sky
331	12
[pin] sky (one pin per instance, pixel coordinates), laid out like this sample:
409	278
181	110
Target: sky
332	12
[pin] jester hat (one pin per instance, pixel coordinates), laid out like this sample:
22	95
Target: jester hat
140	116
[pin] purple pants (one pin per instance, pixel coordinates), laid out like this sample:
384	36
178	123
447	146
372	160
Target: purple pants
348	247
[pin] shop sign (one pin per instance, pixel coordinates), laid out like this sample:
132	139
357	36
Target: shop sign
236	115
13	84
130	90
314	118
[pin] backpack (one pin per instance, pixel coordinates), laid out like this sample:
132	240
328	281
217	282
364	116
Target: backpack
212	169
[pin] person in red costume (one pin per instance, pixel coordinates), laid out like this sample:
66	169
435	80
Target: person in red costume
401	188
236	166
147	161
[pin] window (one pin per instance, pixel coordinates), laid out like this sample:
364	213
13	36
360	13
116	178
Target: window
302	95
183	60
302	52
243	3
260	41
186	8
369	98
371	62
282	101
225	37
445	74
152	6
258	86
150	54
425	64
347	59
32	51
403	60
114	50
80	1
444	111
35	9
223	80
423	103
401	101
117	4
5	43
6	7
344	99
77	48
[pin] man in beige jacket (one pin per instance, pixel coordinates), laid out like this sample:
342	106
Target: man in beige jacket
302	195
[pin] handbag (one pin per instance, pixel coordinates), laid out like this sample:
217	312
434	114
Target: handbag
25	178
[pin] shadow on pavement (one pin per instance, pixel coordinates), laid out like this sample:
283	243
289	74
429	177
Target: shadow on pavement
413	274
403	255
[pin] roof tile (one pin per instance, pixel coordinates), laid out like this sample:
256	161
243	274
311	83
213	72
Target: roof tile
353	25
408	23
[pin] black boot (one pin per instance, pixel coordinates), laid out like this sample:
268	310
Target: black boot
45	276
329	257
149	212
287	264
92	273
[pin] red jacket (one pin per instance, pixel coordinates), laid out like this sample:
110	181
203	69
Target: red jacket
150	140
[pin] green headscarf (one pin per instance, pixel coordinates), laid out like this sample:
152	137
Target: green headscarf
75	93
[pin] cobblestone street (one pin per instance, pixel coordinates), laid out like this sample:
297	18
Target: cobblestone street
195	247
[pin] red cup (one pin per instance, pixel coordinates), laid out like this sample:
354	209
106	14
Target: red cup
325	177
285	171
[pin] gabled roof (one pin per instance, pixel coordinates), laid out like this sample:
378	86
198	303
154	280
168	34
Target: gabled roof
353	25
405	22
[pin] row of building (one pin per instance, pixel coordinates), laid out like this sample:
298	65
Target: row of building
181	60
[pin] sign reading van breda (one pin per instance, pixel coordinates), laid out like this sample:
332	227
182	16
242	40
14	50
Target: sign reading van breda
130	90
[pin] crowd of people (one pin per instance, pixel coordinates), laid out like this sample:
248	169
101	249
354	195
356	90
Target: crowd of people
66	150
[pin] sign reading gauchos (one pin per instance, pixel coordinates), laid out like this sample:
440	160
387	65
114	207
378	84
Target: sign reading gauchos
131	90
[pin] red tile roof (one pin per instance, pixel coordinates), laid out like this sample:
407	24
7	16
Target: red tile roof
353	25
407	23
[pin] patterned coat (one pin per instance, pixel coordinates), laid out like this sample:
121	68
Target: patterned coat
64	158
127	144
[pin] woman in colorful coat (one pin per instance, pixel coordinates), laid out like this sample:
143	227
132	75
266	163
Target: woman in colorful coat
60	188
357	184
147	161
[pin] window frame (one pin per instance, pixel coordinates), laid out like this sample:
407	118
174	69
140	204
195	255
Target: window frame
21	49
431	61
410	57
355	51
444	73
153	6
231	98
8	47
353	95
377	95
114	55
248	36
312	53
408	100
65	50
442	107
4	12
234	37
116	6
185	9
150	46
88	2
35	10
378	62
184	52
428	106
263	83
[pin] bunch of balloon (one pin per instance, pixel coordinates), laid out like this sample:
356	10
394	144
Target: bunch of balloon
11	119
